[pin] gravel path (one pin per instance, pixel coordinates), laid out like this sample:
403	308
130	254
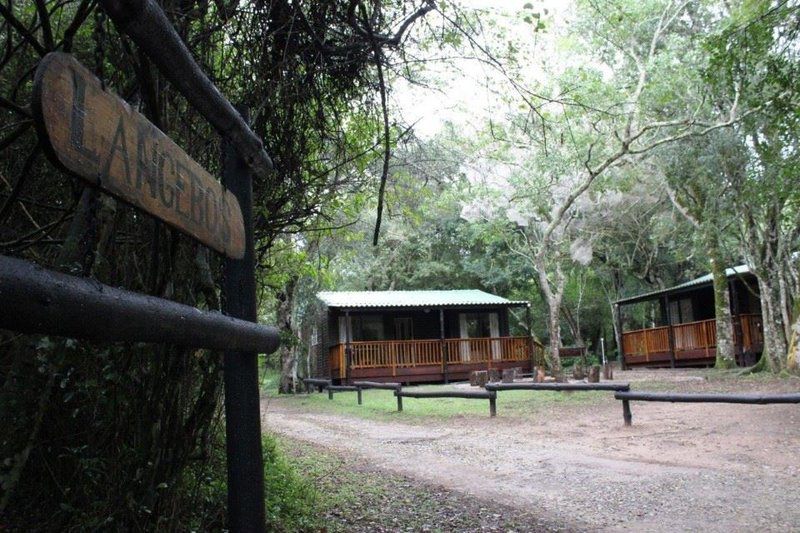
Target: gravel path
681	467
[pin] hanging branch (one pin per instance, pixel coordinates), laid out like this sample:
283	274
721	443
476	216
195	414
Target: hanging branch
386	146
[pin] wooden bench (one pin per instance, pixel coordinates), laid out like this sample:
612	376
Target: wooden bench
473	395
755	399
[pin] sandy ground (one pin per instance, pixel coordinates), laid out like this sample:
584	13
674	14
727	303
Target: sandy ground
680	467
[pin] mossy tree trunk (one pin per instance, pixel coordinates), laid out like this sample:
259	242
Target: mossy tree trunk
722	306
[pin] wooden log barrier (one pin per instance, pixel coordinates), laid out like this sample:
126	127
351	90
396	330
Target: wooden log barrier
705	397
341	388
472	395
37	300
377	385
320	384
615	387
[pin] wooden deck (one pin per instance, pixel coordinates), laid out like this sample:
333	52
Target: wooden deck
422	360
693	343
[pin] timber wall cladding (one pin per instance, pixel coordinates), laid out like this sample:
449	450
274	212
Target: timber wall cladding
98	136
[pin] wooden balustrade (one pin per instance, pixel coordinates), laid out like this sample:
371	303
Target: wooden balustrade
422	352
692	340
646	341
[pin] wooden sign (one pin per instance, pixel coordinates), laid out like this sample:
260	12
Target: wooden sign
99	137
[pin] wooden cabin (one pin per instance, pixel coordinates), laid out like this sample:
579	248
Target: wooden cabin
679	326
418	336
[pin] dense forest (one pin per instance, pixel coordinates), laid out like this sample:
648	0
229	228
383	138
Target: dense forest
598	149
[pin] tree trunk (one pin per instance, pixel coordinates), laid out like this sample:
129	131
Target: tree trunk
793	355
774	341
722	306
554	328
288	348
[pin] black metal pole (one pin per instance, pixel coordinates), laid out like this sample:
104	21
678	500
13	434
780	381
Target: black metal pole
242	408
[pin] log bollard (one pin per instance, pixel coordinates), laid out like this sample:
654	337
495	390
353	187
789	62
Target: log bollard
626	412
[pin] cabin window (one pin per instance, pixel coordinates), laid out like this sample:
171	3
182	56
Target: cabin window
681	311
367	328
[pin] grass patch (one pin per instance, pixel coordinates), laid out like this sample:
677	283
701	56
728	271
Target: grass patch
354	497
382	404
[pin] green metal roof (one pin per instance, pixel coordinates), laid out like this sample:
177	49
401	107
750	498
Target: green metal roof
450	298
708	279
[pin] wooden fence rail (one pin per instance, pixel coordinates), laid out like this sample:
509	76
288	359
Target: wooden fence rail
755	399
558	386
473	395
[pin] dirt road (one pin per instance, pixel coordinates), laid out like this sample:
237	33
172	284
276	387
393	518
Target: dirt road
681	467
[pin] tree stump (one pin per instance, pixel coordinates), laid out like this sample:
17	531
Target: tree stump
478	378
577	371
494	374
508	375
538	375
608	371
594	374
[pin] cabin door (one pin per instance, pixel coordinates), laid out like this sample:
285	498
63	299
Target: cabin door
404	331
479	326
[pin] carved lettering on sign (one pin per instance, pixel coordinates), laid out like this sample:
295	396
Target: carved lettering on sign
99	137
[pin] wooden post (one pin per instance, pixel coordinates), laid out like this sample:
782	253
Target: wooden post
348	349
670	332
358	392
399	399
442	345
626	412
330	393
493	405
242	402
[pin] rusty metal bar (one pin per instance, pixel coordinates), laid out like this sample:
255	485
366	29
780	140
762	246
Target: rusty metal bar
37	300
147	25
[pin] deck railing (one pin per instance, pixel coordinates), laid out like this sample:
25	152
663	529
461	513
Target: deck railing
691	337
426	352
